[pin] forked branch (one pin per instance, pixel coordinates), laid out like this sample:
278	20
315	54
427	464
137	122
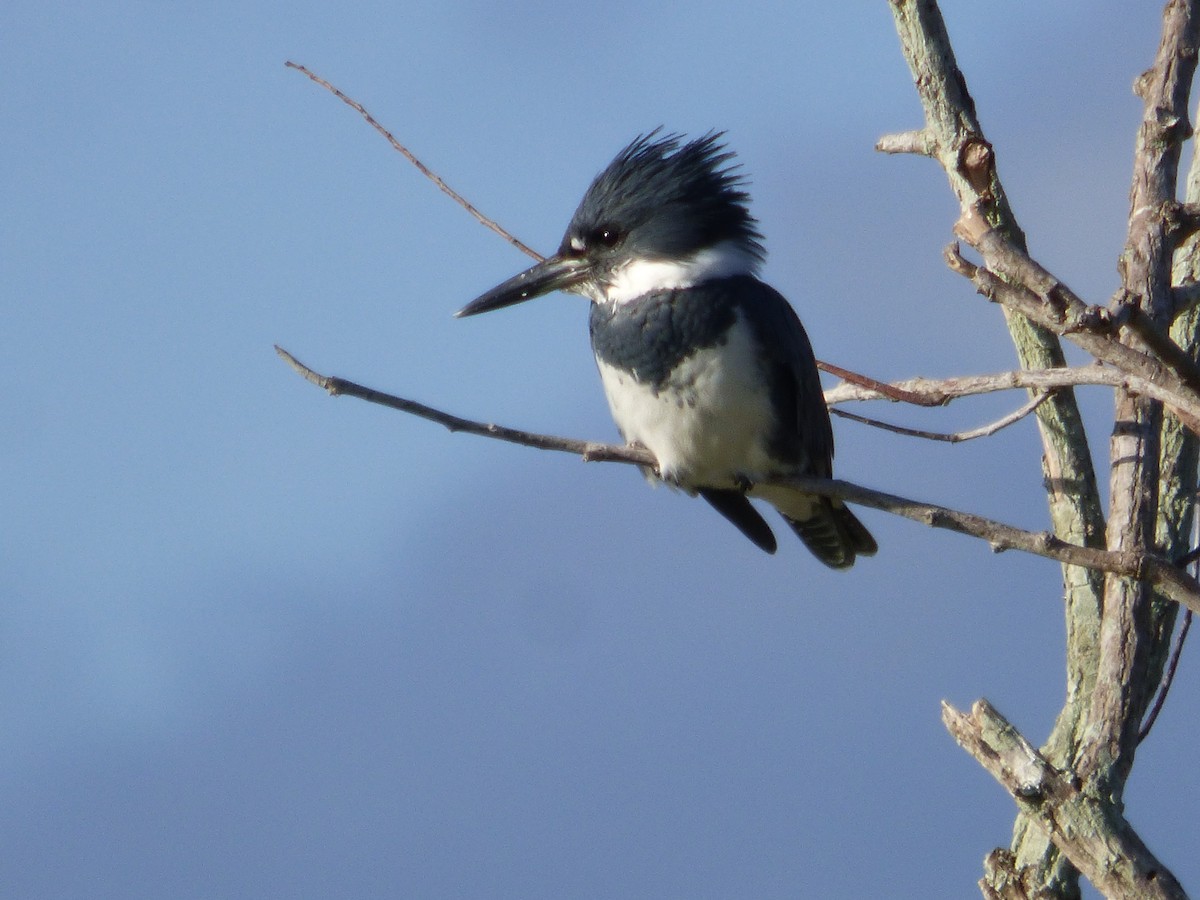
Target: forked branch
941	391
1090	832
955	437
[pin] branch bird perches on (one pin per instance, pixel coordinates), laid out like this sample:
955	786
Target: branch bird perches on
1171	579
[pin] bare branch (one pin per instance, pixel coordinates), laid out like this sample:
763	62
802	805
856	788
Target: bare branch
1055	306
919	141
1129	631
1179	455
1060	311
956	437
590	451
1185	296
941	391
1089	830
421	167
1159	342
1183	219
1170	580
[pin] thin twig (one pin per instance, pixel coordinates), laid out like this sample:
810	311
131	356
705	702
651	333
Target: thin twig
1171	581
589	450
1168	678
421	167
956	437
941	391
880	388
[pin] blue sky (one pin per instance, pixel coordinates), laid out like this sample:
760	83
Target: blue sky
257	641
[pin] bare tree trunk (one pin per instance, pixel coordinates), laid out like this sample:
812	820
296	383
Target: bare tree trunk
1118	629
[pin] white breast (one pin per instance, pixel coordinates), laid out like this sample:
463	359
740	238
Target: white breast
709	423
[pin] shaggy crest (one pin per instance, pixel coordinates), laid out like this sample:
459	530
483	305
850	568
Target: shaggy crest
672	198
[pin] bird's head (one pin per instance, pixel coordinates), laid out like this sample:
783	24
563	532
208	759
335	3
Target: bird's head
663	214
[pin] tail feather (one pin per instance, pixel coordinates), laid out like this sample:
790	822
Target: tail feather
734	506
833	534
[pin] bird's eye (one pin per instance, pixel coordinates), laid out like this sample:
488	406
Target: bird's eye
607	236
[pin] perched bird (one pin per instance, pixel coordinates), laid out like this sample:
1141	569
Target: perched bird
703	364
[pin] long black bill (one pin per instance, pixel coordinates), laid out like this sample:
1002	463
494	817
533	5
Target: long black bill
555	273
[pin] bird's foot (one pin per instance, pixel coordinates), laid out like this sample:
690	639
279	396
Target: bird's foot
743	482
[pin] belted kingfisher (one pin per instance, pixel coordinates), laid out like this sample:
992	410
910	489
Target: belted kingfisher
703	364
